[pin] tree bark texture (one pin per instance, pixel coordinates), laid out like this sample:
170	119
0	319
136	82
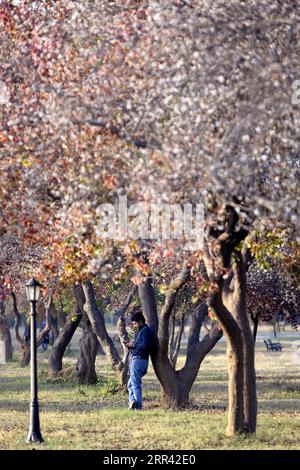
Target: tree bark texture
61	343
88	348
5	334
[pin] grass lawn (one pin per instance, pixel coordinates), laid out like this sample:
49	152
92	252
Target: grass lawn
96	417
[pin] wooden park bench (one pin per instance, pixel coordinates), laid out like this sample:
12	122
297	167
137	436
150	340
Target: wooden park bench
272	346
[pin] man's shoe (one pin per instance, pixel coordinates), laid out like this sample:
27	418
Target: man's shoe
132	405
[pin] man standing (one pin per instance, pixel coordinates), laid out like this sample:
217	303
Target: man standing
141	348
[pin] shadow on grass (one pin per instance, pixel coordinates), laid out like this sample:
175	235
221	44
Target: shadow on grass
11	384
272	379
88	406
67	407
278	405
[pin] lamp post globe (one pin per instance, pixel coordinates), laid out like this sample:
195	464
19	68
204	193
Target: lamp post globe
33	289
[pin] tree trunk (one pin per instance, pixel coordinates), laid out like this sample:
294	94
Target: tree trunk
5	334
176	396
85	367
24	342
220	249
61	343
228	317
88	345
168	379
169	397
255	327
250	398
54	330
175	390
240	311
148	302
123	337
176	385
235	423
86	296
96	319
274	328
25	356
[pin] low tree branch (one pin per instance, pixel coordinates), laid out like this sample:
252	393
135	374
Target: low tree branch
163	330
148	301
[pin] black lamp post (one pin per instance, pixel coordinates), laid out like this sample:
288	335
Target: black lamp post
33	288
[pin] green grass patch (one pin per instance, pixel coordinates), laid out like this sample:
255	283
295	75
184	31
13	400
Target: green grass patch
96	417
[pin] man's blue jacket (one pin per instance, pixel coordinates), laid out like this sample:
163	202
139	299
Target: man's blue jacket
144	344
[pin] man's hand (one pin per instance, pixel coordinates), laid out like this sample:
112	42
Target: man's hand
129	344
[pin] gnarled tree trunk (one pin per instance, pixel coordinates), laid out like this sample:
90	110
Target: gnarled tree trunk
229	307
25	354
235	360
176	385
88	348
5	334
240	311
54	330
61	343
88	345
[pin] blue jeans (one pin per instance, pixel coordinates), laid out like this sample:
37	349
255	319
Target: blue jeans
138	368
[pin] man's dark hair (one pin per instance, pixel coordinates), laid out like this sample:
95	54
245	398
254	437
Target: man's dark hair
137	315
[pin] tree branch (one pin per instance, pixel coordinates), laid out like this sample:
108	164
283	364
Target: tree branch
139	142
178	342
239	270
196	321
123	309
96	319
47	327
147	297
163	331
121	323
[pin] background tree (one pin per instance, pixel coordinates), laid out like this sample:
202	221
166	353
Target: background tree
5	336
272	294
